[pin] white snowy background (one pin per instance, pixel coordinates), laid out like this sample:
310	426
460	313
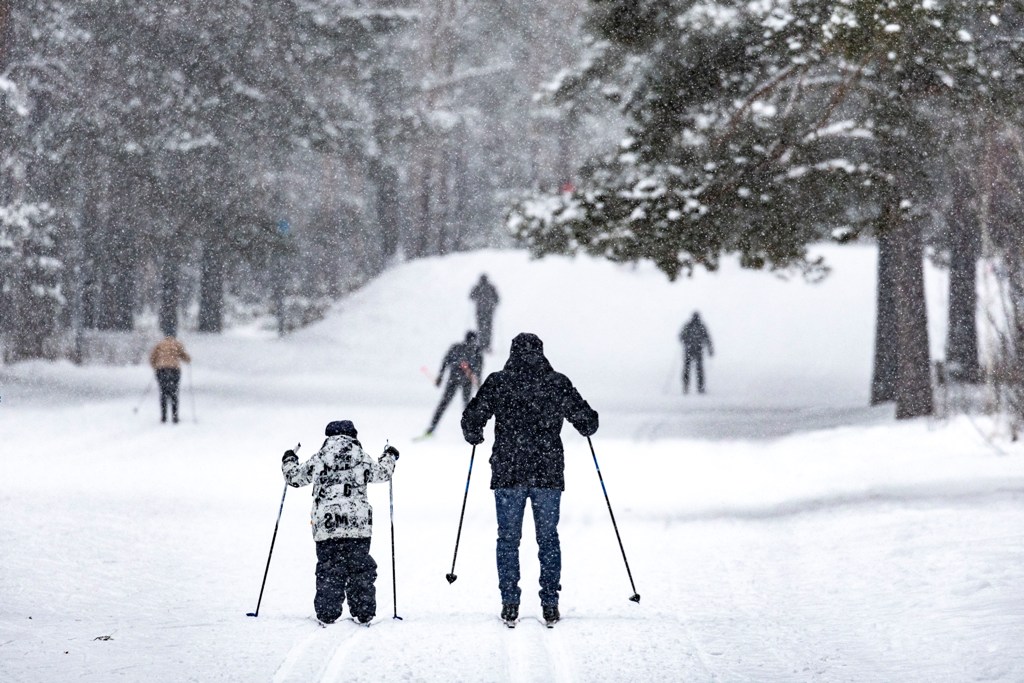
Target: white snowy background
777	528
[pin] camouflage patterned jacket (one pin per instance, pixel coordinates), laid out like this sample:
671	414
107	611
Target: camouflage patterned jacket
339	472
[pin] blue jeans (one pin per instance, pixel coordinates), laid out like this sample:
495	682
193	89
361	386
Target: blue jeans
511	506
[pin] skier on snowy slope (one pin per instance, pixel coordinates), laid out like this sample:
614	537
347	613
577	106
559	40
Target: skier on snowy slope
529	401
464	363
486	298
342	519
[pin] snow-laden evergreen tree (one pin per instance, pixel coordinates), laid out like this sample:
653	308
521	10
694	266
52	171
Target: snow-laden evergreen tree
163	130
30	281
757	128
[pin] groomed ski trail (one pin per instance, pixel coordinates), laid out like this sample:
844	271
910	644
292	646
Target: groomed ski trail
334	670
320	656
536	655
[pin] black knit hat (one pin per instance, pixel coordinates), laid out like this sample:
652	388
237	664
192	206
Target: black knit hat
344	427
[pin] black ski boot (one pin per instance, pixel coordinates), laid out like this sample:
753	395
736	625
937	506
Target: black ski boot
551	615
509	614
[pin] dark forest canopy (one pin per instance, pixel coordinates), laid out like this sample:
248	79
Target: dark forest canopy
160	146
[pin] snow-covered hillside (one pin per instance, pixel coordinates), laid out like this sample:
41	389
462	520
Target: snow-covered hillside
777	528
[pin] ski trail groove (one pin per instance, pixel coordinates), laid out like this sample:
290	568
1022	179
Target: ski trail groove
516	657
699	649
335	667
526	653
294	656
561	663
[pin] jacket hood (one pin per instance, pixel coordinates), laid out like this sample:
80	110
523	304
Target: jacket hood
339	427
526	356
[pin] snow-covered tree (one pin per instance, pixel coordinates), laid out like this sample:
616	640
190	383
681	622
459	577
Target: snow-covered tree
30	277
757	128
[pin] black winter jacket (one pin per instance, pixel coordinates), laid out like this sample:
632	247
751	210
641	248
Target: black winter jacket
464	362
695	337
528	400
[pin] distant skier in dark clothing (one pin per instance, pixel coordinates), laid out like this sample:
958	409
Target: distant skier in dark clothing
166	359
464	363
342	519
694	337
486	298
529	401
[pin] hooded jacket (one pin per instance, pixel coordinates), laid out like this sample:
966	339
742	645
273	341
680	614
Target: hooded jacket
339	472
529	401
168	354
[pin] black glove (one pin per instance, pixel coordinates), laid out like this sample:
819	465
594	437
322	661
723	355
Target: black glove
475	438
392	451
289	455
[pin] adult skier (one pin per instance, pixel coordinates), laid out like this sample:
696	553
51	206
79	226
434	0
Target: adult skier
529	401
464	363
486	298
342	519
165	359
694	337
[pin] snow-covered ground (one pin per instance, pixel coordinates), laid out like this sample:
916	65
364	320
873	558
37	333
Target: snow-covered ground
777	529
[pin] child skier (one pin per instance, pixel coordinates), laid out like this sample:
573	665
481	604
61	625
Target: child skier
342	519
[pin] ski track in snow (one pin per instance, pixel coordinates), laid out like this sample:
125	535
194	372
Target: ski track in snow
297	654
700	652
536	656
320	657
561	661
334	669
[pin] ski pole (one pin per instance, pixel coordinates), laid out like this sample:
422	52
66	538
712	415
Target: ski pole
145	392
394	579
636	596
451	577
271	553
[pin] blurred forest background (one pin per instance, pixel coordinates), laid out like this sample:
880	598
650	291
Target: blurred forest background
205	163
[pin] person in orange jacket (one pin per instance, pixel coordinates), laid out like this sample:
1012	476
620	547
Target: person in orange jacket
166	359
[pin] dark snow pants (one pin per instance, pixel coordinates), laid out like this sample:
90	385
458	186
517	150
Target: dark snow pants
449	393
696	358
168	379
511	507
484	327
345	570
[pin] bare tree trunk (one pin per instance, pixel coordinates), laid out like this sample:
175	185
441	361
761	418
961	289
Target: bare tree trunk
385	179
460	188
445	210
913	375
962	340
422	222
170	291
211	289
116	279
883	379
6	47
